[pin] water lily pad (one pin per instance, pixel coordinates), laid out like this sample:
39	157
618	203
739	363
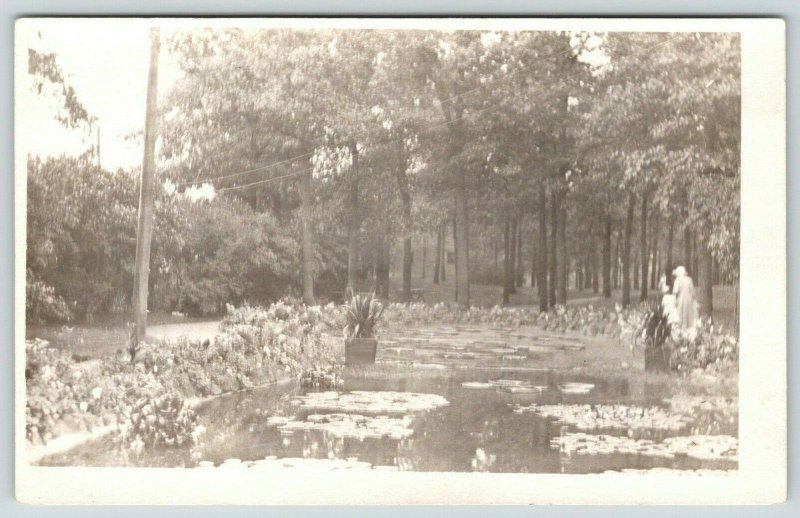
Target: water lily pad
502	350
423	365
576	388
619	417
278	420
372	402
354	426
477	385
503	382
524	389
703	447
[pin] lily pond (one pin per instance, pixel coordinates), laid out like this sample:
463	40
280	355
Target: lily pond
460	399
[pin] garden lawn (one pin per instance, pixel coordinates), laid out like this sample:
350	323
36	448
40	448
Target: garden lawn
109	334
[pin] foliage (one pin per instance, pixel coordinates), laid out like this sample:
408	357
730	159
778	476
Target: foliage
433	117
46	72
222	253
80	233
81	246
254	346
165	420
361	315
325	378
711	347
42	304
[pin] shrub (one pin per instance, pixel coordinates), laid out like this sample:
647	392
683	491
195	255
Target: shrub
42	304
361	315
710	347
162	420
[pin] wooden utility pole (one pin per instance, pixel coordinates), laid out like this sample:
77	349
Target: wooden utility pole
145	228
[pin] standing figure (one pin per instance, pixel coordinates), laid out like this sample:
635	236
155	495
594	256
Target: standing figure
669	307
683	288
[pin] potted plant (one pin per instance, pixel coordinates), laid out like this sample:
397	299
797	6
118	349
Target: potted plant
361	314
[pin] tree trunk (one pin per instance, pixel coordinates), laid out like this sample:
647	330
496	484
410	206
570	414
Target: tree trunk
562	263
304	188
616	257
405	197
382	266
506	263
706	265
355	222
645	250
387	254
736	309
455	256
655	266
534	255
670	245
424	254
462	245
437	265
407	264
626	253
542	262
519	273
443	261
687	250
512	255
595	281
654	256
607	258
553	242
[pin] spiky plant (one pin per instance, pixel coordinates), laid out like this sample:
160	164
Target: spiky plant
361	314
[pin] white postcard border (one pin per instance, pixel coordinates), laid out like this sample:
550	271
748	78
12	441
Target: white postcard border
761	478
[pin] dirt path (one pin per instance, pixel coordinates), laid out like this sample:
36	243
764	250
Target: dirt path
192	330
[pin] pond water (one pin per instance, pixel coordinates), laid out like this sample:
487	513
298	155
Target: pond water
454	420
461	398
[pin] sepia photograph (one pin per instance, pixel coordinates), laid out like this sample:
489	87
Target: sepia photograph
276	249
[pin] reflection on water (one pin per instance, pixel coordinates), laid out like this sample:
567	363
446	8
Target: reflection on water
477	431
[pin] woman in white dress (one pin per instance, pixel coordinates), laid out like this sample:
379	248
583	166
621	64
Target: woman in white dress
669	307
683	288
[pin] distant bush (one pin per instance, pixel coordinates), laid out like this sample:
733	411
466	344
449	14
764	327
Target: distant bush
42	304
81	223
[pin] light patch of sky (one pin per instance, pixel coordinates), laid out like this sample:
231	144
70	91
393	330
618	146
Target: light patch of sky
107	65
593	53
202	192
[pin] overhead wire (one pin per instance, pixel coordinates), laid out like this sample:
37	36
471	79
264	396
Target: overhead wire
394	140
